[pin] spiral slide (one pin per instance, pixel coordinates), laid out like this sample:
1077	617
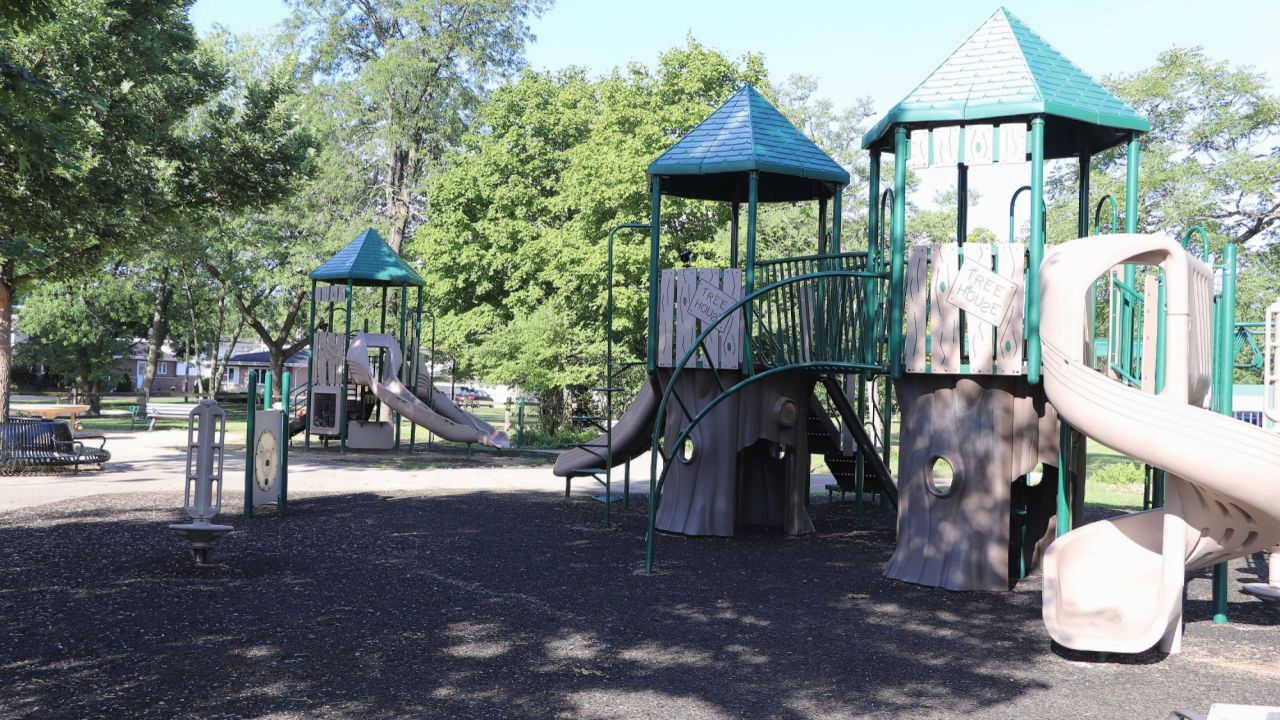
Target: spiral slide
446	420
1116	585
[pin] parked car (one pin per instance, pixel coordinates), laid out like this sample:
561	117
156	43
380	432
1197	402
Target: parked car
464	396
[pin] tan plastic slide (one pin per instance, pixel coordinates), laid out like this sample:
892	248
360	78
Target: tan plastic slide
632	437
1116	585
449	422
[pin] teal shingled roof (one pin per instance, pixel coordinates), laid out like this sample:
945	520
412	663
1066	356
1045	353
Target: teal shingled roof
1006	71
747	133
367	260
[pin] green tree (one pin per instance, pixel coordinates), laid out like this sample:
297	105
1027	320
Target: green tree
405	75
516	237
82	329
122	155
1211	159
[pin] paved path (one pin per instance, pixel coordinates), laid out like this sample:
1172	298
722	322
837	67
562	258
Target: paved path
154	461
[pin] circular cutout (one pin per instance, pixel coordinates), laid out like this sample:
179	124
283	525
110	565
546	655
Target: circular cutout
788	412
687	451
941	477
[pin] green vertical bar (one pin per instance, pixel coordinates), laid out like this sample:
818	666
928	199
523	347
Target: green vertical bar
1225	367
1082	230
749	271
266	390
342	398
897	251
251	402
1036	250
655	217
417	358
1130	320
1131	188
401	372
1064	473
311	356
284	441
837	206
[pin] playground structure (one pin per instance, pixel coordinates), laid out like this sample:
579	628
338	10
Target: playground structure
1003	364
359	382
202	486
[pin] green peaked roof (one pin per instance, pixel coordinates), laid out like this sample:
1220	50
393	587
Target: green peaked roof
1005	71
368	260
747	133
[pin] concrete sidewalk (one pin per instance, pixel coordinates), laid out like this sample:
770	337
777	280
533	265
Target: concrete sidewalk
155	461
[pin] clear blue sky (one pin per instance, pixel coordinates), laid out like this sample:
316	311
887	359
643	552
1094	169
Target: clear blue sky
856	49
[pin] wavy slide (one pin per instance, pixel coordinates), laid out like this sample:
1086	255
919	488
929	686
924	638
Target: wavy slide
1116	585
446	419
632	437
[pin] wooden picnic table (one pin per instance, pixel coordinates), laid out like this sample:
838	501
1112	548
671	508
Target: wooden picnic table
50	411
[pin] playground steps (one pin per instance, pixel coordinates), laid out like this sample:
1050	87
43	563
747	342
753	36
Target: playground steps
824	440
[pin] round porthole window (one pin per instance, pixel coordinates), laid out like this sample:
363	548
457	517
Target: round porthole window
941	477
686	451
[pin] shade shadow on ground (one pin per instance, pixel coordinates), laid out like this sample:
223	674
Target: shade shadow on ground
525	606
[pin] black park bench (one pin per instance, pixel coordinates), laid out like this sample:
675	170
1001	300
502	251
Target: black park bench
44	443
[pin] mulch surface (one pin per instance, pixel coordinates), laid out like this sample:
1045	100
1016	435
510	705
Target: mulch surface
503	605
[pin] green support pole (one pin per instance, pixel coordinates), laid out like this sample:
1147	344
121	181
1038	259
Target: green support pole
266	391
417	358
1082	230
251	398
1225	368
311	355
655	218
342	397
837	209
1064	474
284	442
873	206
1130	320
404	349
749	268
1035	251
897	251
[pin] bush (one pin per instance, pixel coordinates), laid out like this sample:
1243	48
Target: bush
1119	473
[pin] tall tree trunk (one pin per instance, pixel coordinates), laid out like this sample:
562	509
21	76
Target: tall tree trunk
397	191
220	359
156	337
6	330
277	369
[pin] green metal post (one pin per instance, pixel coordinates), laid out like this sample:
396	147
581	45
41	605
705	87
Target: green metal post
897	251
417	358
284	441
1082	230
749	268
837	209
251	401
873	207
1129	322
311	356
655	219
1064	474
401	371
1035	250
342	397
1225	368
266	391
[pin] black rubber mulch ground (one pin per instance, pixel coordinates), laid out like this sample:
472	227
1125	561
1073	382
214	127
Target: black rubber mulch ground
525	606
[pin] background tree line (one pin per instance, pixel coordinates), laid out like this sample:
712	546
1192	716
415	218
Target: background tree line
155	185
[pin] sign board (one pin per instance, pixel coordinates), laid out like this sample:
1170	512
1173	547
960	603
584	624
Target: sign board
982	294
331	293
968	144
709	302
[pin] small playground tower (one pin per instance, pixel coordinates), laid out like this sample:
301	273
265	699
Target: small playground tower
738	351
338	409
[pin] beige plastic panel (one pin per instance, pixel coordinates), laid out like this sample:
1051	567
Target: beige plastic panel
1116	585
